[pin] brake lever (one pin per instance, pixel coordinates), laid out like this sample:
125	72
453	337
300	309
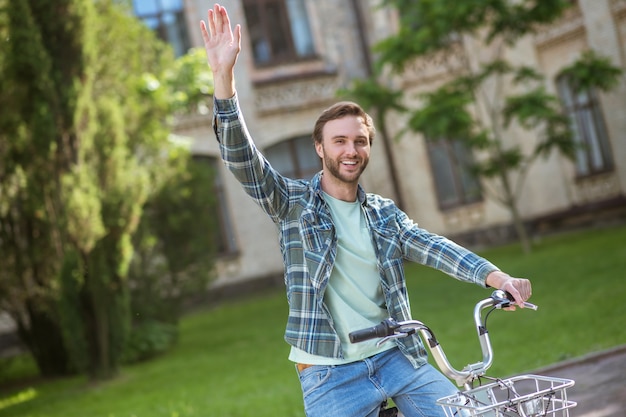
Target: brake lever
504	300
530	305
392	337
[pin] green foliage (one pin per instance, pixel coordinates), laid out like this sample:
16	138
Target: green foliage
148	339
539	109
428	26
107	185
530	108
492	167
181	217
41	64
444	114
175	241
83	205
191	82
592	71
373	95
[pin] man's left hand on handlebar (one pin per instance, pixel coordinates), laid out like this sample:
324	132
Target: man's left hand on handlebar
519	288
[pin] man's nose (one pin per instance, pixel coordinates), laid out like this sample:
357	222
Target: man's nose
351	148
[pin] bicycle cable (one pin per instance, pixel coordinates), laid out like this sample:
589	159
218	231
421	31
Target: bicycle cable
487	316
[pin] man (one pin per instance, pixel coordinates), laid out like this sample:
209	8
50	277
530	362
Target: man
343	253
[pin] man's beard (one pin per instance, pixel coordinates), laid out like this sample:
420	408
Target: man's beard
334	168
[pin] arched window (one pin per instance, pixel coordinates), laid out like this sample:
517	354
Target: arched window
593	152
295	158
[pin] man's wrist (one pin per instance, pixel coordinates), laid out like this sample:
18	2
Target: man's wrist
224	86
496	279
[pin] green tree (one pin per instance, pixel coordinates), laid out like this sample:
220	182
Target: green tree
124	120
42	65
483	98
90	99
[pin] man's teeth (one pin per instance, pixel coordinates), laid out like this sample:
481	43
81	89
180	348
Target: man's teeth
349	162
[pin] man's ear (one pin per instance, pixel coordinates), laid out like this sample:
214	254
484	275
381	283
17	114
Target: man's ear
319	149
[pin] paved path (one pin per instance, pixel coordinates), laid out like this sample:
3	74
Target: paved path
600	388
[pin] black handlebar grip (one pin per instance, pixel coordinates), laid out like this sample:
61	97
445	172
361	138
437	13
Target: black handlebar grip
380	330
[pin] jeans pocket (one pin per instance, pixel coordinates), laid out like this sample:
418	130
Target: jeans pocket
313	377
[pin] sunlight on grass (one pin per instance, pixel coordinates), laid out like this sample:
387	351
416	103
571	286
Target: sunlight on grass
18	398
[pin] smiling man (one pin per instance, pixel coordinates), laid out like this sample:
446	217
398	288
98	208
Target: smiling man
343	137
343	252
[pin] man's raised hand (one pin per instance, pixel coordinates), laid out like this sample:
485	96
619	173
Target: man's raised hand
222	46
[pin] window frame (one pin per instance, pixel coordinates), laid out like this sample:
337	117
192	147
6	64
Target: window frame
589	131
297	171
267	29
459	170
164	29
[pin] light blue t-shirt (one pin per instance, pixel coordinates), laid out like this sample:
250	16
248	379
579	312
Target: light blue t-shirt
354	295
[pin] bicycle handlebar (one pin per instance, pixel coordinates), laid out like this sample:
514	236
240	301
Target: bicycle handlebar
384	329
392	329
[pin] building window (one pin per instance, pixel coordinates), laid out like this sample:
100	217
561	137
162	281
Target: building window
167	19
226	244
279	31
455	183
593	152
295	158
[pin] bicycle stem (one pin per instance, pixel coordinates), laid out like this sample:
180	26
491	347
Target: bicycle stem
469	373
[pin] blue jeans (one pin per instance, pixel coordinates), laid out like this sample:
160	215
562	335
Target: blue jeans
357	389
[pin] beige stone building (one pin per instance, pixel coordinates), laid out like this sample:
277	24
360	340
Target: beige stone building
297	53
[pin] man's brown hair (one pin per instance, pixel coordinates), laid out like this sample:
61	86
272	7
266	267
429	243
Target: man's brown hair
339	110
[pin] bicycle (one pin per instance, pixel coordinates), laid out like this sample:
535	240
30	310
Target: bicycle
517	396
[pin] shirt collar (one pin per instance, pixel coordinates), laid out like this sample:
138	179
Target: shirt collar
316	184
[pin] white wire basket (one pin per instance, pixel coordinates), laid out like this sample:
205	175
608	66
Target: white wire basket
519	396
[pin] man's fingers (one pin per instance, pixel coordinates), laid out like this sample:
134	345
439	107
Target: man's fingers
221	20
225	20
511	289
218	23
211	22
524	288
238	36
521	291
215	21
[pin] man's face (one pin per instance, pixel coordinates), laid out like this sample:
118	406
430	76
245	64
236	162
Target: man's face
345	149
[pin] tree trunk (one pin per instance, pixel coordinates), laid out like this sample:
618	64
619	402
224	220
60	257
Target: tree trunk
104	301
518	223
94	301
520	229
43	337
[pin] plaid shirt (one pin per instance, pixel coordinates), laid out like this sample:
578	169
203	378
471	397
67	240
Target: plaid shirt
309	244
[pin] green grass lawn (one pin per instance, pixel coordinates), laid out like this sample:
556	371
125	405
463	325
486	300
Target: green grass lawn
232	360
